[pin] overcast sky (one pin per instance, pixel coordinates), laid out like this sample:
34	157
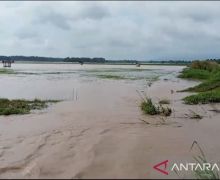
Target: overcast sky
114	30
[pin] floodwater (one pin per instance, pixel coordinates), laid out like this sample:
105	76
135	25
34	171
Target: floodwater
97	131
64	81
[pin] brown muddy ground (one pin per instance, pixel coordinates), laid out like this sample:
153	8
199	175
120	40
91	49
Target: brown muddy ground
100	134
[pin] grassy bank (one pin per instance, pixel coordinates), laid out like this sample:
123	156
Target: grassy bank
20	106
208	91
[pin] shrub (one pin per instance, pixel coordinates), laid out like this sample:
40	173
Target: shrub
148	107
205	65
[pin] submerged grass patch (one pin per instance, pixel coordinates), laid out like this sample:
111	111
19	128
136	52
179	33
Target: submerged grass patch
6	71
121	77
127	77
209	89
112	70
21	106
108	76
148	107
123	74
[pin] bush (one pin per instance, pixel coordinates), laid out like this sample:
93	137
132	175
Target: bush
205	65
149	108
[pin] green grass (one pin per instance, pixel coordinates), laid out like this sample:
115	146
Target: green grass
20	106
205	86
190	73
203	98
6	71
209	89
148	107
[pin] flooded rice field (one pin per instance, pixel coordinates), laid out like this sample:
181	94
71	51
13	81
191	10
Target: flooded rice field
98	129
59	81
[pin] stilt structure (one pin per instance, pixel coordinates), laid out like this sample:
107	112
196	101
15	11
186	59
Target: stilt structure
7	63
138	64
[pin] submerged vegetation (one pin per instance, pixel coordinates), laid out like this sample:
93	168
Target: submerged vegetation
6	71
148	107
20	106
126	74
121	77
194	115
108	76
209	90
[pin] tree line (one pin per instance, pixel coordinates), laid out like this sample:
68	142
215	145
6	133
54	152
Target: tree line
83	60
30	58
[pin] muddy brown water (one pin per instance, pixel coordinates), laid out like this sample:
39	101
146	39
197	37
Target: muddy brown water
97	130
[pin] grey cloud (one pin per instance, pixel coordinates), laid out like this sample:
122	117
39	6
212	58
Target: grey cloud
52	17
63	20
95	12
23	34
114	30
201	17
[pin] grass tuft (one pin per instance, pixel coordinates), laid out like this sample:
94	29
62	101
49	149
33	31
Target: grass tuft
148	107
